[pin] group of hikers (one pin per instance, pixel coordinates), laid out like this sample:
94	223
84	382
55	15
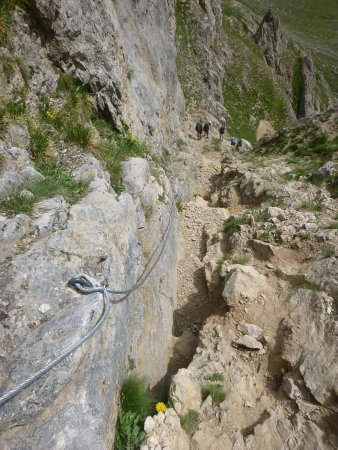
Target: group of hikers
200	129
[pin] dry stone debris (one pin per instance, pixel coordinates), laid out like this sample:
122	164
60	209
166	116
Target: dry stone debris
248	342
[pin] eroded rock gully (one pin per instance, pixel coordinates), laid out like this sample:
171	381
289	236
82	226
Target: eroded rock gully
256	310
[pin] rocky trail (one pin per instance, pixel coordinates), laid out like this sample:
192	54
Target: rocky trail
254	319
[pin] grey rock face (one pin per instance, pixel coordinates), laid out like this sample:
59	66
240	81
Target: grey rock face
202	57
244	145
328	169
271	38
72	405
185	391
106	44
310	348
251	329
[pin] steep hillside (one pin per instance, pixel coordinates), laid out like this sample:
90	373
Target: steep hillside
227	53
311	23
271	78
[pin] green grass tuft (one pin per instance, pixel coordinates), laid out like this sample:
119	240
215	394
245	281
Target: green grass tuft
13	109
308	286
328	252
39	141
215	377
233	224
114	152
136	397
216	392
76	132
190	421
136	404
333	226
242	260
316	207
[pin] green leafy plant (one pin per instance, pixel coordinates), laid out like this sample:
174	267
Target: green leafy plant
137	403
190	421
129	434
216	391
130	73
161	198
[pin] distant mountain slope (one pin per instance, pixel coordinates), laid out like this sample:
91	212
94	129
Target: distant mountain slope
313	24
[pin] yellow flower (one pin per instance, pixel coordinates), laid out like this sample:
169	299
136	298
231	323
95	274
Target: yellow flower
50	114
160	407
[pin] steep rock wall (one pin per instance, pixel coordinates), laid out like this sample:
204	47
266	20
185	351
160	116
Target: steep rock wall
202	54
112	239
107	45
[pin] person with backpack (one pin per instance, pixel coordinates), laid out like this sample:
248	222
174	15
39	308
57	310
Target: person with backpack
221	132
199	130
206	129
234	141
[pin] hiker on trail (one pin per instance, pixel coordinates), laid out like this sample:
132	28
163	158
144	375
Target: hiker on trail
199	130
206	129
221	132
234	141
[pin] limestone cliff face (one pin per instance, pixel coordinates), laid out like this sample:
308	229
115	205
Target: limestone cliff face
107	45
202	54
124	52
110	238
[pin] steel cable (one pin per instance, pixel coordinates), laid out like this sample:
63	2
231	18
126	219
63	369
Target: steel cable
86	285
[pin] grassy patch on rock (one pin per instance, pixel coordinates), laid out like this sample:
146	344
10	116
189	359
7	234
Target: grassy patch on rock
190	421
55	182
216	392
233	224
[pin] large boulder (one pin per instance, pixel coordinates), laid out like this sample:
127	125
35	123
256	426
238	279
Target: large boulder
243	144
243	282
309	347
185	391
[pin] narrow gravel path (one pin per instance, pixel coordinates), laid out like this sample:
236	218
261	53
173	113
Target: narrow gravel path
193	304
